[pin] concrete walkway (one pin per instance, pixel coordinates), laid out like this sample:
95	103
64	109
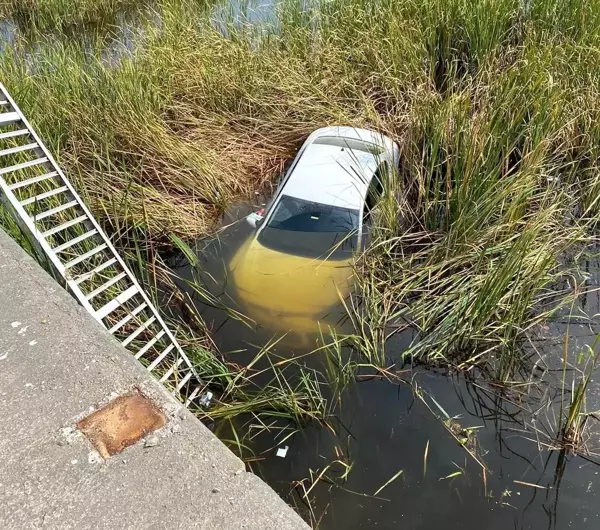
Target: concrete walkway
56	366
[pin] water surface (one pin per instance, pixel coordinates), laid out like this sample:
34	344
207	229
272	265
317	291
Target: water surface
381	428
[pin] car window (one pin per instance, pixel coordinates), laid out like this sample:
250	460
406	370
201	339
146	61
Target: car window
375	190
350	143
311	229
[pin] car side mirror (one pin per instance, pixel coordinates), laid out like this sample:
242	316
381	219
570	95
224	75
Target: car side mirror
255	219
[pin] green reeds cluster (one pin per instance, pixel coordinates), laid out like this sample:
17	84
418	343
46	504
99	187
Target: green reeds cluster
497	185
574	415
494	104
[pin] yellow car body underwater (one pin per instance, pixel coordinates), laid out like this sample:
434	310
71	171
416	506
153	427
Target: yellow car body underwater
288	293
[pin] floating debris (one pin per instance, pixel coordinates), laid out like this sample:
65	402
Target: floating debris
206	399
282	451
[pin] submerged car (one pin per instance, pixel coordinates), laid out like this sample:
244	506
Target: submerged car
297	264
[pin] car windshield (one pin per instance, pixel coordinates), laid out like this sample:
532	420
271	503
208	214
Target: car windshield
311	229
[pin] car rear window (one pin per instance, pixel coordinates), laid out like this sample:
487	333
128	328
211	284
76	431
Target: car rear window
350	143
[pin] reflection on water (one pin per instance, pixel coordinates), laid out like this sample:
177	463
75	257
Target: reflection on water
240	14
380	428
386	430
119	33
8	34
113	39
127	28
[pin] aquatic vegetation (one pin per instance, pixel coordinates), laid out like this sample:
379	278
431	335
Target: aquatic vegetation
497	186
494	105
572	429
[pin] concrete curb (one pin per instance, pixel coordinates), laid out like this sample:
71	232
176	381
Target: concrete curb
56	365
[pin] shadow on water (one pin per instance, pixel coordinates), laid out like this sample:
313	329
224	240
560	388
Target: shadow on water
455	453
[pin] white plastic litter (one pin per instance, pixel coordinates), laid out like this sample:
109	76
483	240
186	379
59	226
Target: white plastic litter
205	399
282	451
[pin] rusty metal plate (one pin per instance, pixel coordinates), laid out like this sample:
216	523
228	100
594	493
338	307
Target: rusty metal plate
121	423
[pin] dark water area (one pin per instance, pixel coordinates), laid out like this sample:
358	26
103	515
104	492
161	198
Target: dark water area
381	428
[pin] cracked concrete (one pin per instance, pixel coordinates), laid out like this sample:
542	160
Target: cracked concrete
57	365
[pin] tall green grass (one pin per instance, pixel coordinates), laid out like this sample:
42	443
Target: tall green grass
494	104
498	184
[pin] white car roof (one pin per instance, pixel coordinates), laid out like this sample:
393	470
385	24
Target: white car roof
333	175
